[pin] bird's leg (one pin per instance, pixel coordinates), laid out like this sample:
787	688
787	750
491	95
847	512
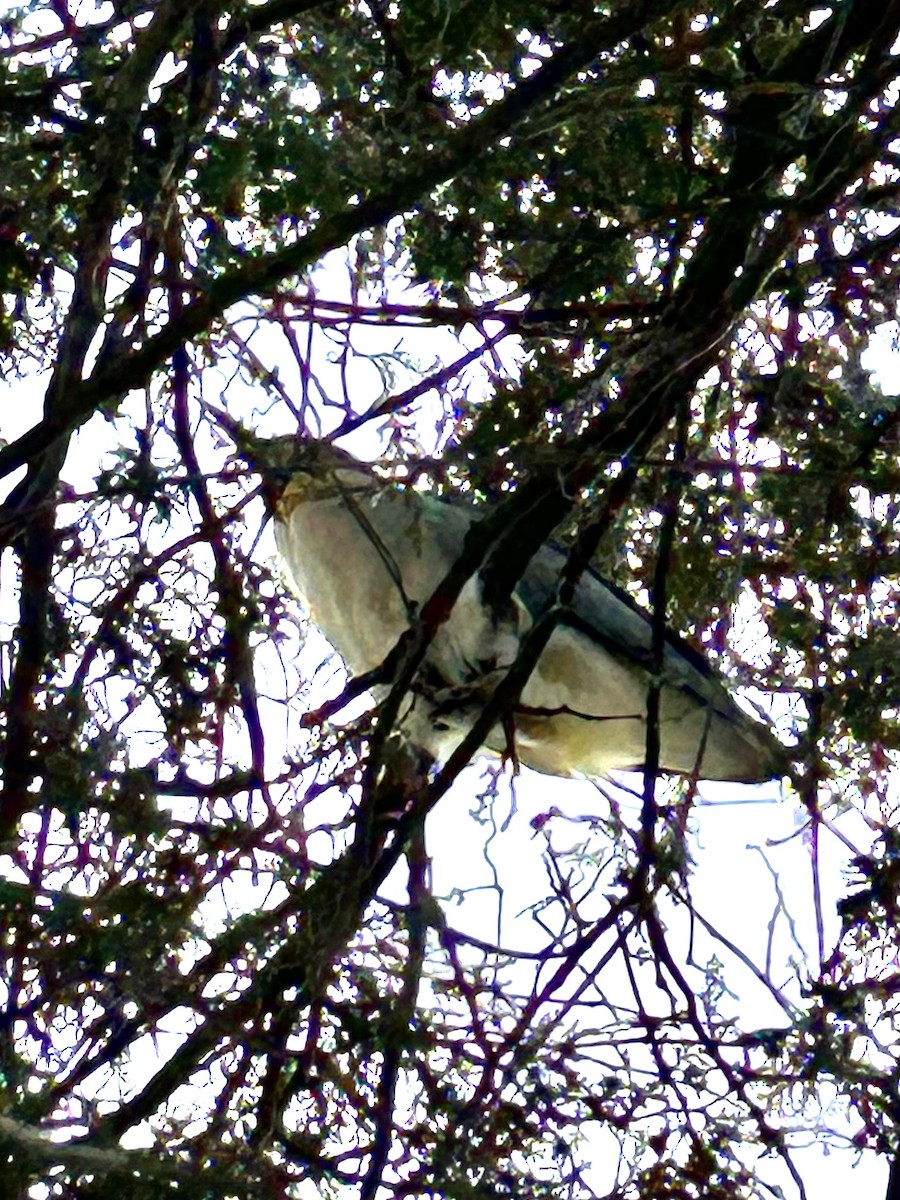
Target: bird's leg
509	734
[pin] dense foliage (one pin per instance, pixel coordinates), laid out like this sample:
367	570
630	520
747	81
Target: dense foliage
613	265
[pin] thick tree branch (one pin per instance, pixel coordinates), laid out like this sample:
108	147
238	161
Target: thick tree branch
34	1154
37	538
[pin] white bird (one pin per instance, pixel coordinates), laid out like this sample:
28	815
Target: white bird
365	555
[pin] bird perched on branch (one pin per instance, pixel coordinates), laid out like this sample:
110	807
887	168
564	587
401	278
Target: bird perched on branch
366	555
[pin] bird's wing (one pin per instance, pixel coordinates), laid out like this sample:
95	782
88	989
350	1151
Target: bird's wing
609	617
594	681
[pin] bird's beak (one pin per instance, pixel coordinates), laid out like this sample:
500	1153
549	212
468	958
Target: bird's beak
272	458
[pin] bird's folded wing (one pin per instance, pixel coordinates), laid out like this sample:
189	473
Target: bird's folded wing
585	706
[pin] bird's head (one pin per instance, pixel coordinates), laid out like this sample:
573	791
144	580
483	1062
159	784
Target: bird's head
295	468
